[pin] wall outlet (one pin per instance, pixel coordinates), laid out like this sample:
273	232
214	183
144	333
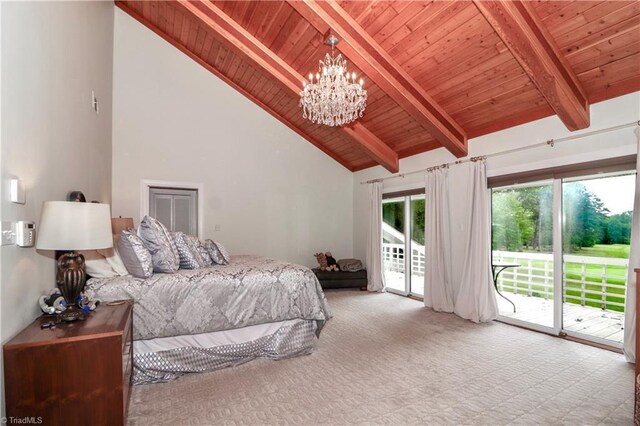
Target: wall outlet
216	228
8	233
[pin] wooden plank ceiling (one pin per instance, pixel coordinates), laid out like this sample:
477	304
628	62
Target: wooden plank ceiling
437	72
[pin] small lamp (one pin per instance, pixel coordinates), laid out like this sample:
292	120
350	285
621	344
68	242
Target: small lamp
66	225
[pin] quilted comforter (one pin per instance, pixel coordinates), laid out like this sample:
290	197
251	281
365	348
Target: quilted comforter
249	290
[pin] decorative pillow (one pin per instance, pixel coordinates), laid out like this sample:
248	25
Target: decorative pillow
96	265
113	257
158	241
134	254
189	255
203	252
223	251
216	254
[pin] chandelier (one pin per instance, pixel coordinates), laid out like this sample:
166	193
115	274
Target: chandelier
333	98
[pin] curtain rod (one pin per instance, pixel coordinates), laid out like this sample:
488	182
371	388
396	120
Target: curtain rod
550	142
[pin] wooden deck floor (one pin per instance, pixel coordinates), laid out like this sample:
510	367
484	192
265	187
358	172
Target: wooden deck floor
583	319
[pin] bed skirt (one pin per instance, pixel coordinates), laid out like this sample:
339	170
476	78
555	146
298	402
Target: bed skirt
291	339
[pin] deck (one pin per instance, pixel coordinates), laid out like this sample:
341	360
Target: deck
594	322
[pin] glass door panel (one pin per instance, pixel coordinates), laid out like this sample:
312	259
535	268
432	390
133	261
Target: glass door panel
522	252
417	245
393	244
596	236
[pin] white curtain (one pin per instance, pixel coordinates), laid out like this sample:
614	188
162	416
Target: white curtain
438	293
476	299
374	243
629	345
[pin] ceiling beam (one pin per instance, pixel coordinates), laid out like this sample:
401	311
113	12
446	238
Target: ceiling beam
228	31
517	24
361	49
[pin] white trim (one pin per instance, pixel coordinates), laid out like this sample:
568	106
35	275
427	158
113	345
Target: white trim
145	184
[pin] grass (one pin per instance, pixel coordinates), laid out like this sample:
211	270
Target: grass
620	251
542	280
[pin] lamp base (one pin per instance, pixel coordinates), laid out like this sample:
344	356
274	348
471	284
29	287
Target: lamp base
71	314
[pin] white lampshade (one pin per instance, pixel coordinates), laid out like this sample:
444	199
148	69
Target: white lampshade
67	225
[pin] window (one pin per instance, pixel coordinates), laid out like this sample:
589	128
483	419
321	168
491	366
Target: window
176	208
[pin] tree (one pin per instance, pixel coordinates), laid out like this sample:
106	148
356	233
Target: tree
512	223
584	217
539	201
618	228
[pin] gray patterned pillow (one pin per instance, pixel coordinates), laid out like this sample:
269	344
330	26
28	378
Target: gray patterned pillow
134	254
223	251
203	253
158	241
215	253
187	250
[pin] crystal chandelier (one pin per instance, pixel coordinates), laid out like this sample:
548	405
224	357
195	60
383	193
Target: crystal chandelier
334	98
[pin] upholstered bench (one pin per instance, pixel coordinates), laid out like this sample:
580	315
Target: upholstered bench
341	279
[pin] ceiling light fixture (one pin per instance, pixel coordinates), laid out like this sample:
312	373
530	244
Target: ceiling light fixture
334	98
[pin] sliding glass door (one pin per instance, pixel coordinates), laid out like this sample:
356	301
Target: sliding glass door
560	253
596	237
522	240
403	243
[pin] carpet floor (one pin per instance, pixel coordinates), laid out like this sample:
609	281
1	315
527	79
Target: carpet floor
385	359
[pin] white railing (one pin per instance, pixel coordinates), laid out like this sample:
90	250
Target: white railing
393	258
593	281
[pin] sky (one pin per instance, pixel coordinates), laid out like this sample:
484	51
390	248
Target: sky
616	192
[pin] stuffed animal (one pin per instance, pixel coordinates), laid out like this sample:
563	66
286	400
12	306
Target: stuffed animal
332	265
322	261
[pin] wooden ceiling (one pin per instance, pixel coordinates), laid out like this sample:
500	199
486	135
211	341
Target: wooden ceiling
436	72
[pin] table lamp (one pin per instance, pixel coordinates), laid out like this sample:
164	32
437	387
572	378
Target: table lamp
71	226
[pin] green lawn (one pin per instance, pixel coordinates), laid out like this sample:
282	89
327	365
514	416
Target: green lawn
542	280
605	250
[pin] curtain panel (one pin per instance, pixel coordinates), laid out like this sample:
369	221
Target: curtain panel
374	243
629	342
476	298
438	293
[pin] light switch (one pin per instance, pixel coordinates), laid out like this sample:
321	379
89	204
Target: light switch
17	191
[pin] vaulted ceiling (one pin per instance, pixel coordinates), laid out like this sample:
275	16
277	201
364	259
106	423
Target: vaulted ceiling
437	72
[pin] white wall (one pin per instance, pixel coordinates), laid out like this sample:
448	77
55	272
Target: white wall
616	111
53	55
272	192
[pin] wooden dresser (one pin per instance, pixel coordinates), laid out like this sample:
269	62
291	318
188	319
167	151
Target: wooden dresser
77	373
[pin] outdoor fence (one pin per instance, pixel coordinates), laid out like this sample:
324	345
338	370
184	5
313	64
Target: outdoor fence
588	281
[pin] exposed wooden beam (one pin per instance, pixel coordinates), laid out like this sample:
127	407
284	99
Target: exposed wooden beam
236	37
530	43
361	49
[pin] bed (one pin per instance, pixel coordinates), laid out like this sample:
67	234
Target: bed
219	316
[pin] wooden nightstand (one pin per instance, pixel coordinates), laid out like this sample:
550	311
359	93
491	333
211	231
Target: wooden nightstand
77	373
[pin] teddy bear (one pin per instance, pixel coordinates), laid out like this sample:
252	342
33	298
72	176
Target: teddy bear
332	265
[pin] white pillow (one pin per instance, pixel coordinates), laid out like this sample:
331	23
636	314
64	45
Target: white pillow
113	258
104	263
96	265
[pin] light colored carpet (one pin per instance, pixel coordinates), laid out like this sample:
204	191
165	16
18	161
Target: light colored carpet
385	359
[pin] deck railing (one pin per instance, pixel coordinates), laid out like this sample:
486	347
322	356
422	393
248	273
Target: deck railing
393	258
588	281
